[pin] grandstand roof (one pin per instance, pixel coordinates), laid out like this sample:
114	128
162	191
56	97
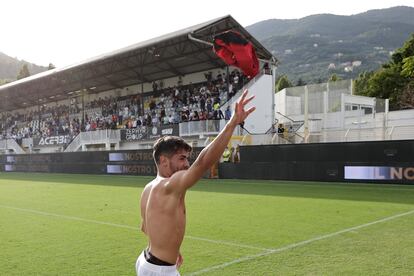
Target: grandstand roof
166	56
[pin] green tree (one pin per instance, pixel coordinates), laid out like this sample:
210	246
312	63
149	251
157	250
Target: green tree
408	67
395	80
386	83
407	50
334	77
406	100
361	83
283	82
300	82
24	72
51	66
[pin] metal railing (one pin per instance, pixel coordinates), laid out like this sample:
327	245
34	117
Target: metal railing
297	124
400	132
74	145
364	134
342	135
368	134
94	137
204	127
100	136
11	144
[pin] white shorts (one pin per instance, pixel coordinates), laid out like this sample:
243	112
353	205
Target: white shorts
145	268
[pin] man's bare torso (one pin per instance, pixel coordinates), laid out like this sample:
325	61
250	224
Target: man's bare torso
163	219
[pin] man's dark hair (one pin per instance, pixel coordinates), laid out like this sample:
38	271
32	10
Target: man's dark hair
168	146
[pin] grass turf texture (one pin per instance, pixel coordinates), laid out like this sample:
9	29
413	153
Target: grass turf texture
59	224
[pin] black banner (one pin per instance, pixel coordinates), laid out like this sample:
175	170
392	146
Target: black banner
149	133
134	134
144	156
137	169
135	162
373	162
51	141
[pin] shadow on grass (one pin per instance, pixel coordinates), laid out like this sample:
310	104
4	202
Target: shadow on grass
403	194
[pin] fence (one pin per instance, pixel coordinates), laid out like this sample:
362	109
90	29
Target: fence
341	135
332	103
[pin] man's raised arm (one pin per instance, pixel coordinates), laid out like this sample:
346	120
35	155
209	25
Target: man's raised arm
183	180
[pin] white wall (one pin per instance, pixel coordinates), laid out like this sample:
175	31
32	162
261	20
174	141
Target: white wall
401	117
261	120
280	101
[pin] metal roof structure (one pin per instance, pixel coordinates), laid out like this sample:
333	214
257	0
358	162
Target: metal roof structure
174	54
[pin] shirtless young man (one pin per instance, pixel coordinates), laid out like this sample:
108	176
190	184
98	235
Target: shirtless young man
162	201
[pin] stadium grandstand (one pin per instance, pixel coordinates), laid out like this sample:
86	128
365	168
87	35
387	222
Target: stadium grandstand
122	100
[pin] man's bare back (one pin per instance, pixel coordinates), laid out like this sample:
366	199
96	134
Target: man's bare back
164	220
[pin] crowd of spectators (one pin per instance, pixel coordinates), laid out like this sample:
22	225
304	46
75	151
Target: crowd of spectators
162	106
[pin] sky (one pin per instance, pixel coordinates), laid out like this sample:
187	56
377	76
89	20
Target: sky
65	32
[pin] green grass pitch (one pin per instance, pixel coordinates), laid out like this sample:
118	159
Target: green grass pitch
59	224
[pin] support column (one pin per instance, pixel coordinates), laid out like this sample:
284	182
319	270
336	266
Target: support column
306	113
343	110
387	107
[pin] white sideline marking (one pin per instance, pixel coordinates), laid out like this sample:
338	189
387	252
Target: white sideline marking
129	227
230	243
294	245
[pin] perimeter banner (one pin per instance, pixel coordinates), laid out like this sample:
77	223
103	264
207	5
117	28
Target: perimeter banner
51	141
149	133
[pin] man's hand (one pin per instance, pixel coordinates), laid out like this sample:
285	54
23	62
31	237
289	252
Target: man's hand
239	114
183	180
179	261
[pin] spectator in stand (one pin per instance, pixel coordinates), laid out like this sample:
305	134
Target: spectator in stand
196	116
236	80
208	76
216	106
87	127
176	117
130	124
170	119
149	120
202	103
114	118
155	121
209	105
120	117
191	117
126	111
227	113
184	117
152	105
219	78
93	125
140	121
